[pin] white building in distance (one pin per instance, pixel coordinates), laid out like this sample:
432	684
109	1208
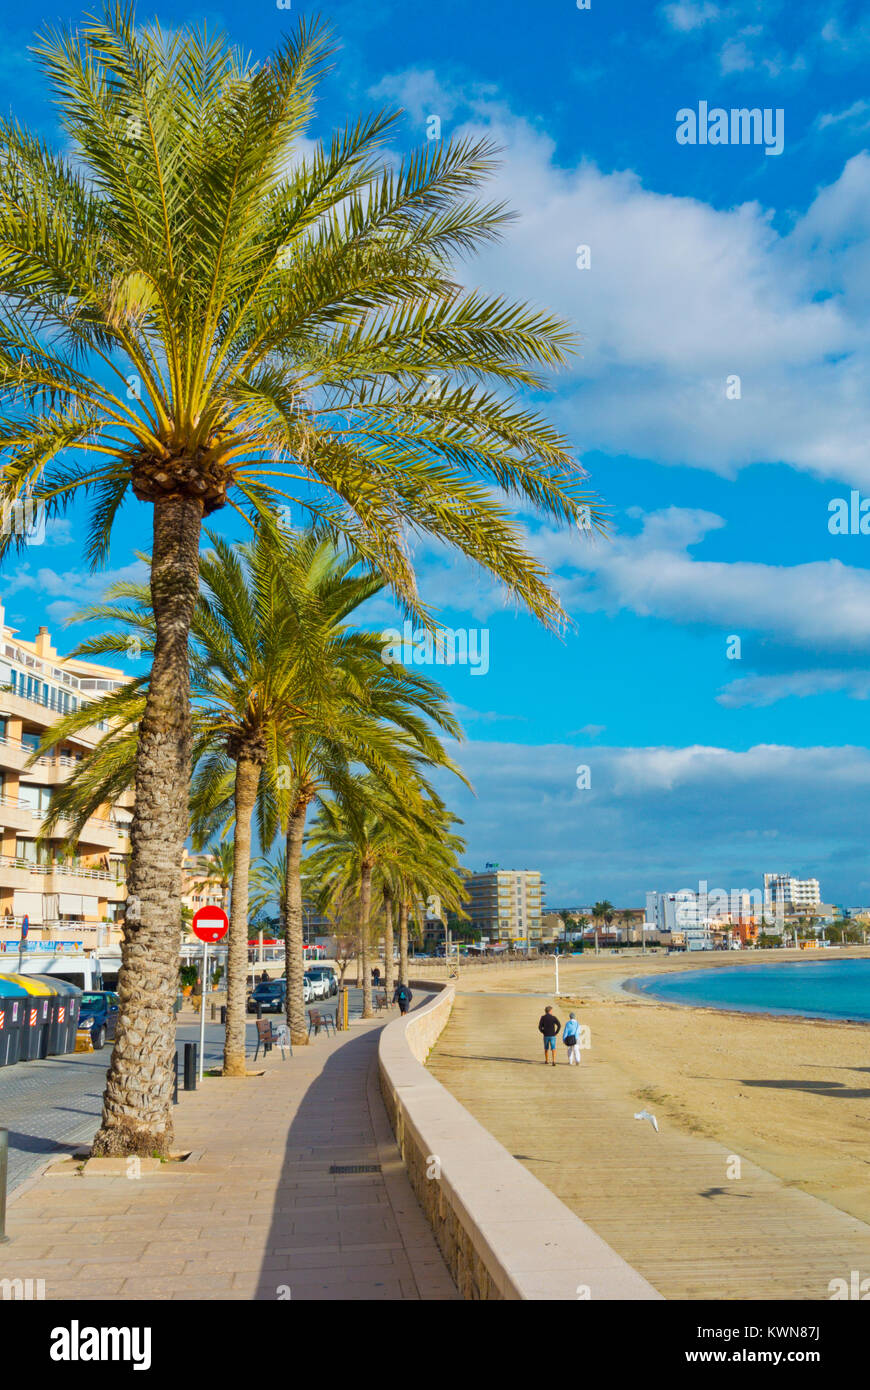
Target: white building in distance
785	895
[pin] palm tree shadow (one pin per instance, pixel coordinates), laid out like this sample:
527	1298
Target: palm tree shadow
837	1089
723	1192
471	1057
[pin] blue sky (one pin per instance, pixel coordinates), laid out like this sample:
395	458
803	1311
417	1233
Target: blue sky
706	261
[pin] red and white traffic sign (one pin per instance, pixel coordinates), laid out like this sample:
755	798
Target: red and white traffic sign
210	923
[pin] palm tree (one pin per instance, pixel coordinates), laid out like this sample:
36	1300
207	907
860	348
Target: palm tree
418	858
602	912
196	313
348	841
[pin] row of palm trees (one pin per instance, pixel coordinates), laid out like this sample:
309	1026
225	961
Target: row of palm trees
293	707
201	308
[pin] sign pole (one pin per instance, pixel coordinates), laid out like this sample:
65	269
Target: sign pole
209	924
202	1008
556	953
25	928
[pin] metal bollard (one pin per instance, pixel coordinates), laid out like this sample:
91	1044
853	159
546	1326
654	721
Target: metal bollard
4	1169
259	1009
175	1081
190	1066
223	1014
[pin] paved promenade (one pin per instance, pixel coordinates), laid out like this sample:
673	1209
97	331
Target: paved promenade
668	1202
255	1213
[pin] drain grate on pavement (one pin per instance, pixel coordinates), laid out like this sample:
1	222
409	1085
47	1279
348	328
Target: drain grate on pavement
355	1168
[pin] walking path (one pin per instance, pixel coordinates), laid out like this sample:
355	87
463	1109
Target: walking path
670	1203
256	1212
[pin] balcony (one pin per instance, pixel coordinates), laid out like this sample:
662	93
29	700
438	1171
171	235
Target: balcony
17	706
103	833
61	878
51	770
16	814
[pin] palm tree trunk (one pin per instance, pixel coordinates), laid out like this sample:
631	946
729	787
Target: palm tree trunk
247	781
365	899
403	942
137	1103
388	943
293	927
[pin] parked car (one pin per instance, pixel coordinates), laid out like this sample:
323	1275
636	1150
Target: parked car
318	984
325	972
307	991
99	1013
270	996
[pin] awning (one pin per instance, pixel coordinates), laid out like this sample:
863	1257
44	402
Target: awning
75	905
27	905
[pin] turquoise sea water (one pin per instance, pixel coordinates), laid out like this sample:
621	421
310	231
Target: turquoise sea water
816	988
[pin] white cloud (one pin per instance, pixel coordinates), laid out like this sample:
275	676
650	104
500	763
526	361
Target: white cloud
680	296
686	16
766	690
664	817
821	605
854	115
68	590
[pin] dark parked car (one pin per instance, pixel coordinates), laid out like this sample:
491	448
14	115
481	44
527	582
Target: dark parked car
325	972
99	1013
269	996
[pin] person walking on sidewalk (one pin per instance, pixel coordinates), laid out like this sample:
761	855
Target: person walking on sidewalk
571	1039
402	996
549	1026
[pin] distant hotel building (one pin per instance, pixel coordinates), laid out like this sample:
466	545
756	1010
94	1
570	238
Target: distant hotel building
785	896
68	898
680	913
505	904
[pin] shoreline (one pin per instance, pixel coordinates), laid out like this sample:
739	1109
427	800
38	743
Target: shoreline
633	985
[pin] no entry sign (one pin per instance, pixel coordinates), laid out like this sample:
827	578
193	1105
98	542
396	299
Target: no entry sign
210	923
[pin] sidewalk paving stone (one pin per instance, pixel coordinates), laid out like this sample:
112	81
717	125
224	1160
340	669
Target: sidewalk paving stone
256	1209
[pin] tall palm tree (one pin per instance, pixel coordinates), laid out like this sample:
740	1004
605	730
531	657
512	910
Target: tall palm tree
602	912
195	312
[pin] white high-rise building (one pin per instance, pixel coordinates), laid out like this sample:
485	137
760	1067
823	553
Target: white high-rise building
785	894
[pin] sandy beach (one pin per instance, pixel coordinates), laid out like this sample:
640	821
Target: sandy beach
789	1095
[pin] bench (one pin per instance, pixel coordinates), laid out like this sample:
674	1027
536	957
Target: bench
268	1035
380	1000
317	1020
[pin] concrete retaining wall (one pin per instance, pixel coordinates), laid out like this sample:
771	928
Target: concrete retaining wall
502	1233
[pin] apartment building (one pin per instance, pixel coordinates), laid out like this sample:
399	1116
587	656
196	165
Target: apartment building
505	905
785	895
76	899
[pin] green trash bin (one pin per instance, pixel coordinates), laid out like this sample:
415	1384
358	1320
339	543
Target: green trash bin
64	1013
13	998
